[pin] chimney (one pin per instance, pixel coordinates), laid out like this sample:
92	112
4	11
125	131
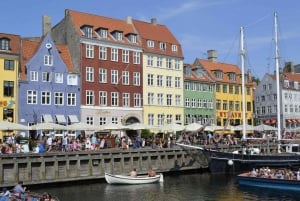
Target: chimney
46	25
128	20
212	55
289	67
154	21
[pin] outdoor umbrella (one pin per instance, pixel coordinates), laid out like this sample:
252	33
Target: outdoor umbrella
240	127
81	126
5	125
137	126
173	127
193	127
264	127
47	126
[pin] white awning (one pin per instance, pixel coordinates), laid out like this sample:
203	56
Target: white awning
60	118
73	119
47	118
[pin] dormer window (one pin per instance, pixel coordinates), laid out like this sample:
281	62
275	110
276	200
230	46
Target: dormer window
150	43
162	46
102	33
286	83
88	31
219	74
174	48
4	44
118	35
232	76
133	38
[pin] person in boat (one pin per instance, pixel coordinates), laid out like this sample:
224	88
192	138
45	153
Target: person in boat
5	194
133	173
151	173
19	191
253	173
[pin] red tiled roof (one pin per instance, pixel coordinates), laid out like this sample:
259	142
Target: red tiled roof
29	48
157	33
14	43
80	19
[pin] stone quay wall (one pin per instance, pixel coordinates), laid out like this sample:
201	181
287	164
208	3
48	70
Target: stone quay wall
54	167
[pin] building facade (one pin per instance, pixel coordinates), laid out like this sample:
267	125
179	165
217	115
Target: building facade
49	88
9	68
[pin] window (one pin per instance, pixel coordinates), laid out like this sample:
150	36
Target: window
219	74
114	99
177	100
150	98
160	119
162	46
9	64
102	53
136	78
4	44
89	51
59	78
102	120
174	48
103	33
169	118
46	76
114	77
88	31
237	88
199	103
132	38
160	100
224	88
72	79
230	89
232	76
225	105
237	106
126	100
136	58
169	63
45	97
114	120
71	99
114	54
218	88
159	80
177	64
8	88
89	95
33	76
90	120
48	60
177	82
58	98
125	56
125	78
150	79
193	103
102	75
89	74
159	61
137	100
218	104
150	43
102	98
187	102
151	119
31	97
168	81
150	61
119	35
169	99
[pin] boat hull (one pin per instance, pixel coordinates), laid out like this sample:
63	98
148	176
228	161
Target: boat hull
228	162
121	179
280	184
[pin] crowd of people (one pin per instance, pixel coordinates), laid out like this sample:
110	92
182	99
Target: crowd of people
279	173
68	143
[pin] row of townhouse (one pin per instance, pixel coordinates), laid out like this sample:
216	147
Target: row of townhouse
101	70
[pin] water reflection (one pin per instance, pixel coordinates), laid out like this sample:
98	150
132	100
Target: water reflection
191	187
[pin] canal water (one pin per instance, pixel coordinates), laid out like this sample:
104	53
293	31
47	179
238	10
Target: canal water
182	187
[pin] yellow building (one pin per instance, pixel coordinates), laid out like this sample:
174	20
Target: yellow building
162	74
9	64
228	92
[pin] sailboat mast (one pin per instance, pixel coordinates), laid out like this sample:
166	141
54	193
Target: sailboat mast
243	82
277	78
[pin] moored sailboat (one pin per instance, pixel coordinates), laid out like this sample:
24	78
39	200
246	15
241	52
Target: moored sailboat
238	161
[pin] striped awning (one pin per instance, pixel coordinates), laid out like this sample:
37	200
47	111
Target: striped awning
47	118
60	118
73	119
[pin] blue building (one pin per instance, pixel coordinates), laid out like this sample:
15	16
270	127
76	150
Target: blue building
49	88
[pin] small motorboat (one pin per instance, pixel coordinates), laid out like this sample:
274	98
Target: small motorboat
245	179
140	179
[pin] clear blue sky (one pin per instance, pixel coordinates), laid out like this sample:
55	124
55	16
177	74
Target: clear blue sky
199	25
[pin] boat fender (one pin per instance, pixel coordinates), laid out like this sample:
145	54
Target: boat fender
230	162
161	179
